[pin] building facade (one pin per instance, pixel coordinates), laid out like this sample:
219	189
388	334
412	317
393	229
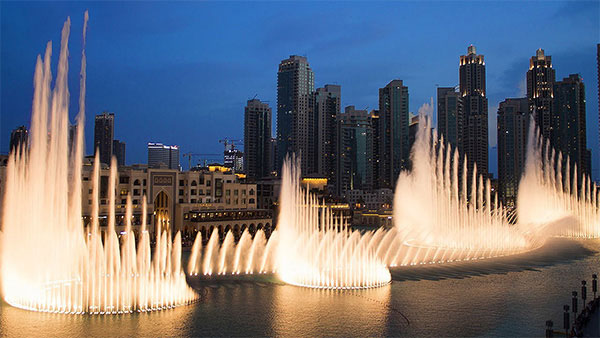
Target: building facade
119	152
257	139
475	106
18	137
450	116
160	155
326	110
513	127
355	151
104	132
540	88
295	87
569	123
393	133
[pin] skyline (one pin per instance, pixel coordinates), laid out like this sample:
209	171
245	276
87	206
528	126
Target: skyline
177	92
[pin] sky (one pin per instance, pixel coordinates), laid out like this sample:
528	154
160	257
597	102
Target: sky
181	72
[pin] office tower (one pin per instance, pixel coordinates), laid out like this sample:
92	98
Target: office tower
450	116
413	128
233	158
326	109
160	155
273	157
394	147
540	82
18	137
354	150
257	139
475	106
568	127
513	127
119	152
375	150
104	129
295	87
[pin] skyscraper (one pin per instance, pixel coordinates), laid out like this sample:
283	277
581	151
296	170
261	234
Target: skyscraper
450	117
354	154
119	152
513	126
18	137
568	128
163	155
257	139
394	147
540	82
326	109
295	87
475	106
104	129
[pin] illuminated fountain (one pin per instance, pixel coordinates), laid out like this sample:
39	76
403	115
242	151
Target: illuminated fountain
311	247
49	262
550	196
435	220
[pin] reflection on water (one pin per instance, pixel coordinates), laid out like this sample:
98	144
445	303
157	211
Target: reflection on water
467	300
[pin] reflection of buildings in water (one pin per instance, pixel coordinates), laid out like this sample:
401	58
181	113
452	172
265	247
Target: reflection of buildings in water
314	312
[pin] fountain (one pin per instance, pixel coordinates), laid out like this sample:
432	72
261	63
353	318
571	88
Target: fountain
434	218
550	195
49	261
311	247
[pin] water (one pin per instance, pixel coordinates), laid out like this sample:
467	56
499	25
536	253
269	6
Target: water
49	262
474	299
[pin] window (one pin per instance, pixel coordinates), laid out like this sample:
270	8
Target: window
193	191
208	183
208	192
235	192
123	201
124	180
136	192
180	192
193	200
136	182
251	201
228	201
201	180
181	183
124	192
144	181
136	202
194	183
251	193
243	192
227	192
181	200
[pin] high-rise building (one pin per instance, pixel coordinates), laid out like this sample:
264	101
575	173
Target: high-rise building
326	109
513	127
568	128
257	139
295	125
18	137
450	116
355	150
394	147
104	130
119	152
160	155
376	149
475	107
233	158
540	83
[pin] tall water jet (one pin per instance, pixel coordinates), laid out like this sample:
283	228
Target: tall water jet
48	261
550	195
435	218
318	249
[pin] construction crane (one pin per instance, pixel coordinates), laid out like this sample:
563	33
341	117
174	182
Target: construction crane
190	155
226	141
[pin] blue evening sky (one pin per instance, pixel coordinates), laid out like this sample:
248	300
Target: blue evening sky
181	72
